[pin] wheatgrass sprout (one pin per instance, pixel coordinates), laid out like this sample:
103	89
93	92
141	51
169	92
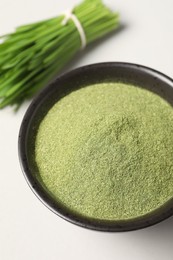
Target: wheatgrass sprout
34	54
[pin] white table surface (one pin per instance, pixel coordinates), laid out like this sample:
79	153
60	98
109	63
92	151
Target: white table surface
28	230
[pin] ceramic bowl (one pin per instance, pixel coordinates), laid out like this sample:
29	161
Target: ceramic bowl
97	73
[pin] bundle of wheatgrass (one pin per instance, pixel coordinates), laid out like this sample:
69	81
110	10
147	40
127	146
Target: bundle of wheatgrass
32	55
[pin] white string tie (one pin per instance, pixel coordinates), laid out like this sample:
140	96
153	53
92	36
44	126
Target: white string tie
69	15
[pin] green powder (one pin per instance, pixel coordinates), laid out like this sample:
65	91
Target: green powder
106	151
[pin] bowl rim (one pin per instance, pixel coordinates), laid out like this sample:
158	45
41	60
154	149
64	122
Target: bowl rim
109	226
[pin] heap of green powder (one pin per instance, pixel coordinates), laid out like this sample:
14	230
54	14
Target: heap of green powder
106	151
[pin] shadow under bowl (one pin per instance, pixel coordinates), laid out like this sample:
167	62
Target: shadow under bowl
141	76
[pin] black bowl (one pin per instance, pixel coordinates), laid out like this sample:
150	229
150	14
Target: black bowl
104	72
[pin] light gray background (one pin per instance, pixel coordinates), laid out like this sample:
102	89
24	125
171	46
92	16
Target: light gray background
28	230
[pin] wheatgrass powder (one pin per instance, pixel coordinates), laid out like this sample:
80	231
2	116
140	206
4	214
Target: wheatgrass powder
106	151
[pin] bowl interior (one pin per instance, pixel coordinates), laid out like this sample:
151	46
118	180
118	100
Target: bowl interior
105	72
